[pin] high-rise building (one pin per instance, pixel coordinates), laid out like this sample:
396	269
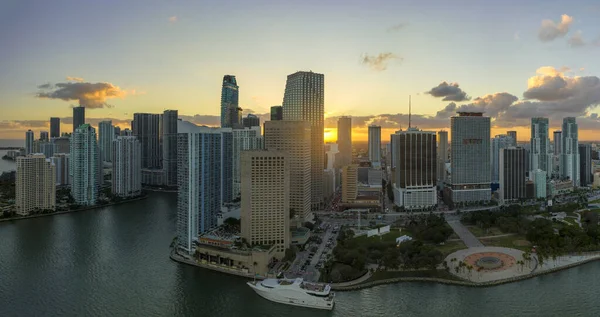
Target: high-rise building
169	146
393	140
226	165
117	131
294	137
499	142
198	181
251	120
84	165
62	144
329	184
233	117
126	166
375	145
35	184
303	100
61	163
146	127
442	156
569	163
344	141
243	140
126	132
229	102
332	155
48	149
276	113
557	143
512	173
540	183
265	212
586	178
416	177
349	183
29	142
470	166
105	139
540	146
44	136
54	127
78	117
513	135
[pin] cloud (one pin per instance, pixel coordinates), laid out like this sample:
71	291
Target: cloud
517	36
576	40
550	30
450	92
173	19
78	79
491	105
89	95
554	85
379	62
397	27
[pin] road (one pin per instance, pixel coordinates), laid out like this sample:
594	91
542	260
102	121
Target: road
464	234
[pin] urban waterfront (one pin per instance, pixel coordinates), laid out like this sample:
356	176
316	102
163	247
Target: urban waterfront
114	261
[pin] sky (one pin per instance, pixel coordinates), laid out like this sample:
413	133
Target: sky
511	59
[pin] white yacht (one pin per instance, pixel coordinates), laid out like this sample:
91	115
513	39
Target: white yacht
295	292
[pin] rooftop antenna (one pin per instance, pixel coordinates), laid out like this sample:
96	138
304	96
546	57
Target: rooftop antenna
409	111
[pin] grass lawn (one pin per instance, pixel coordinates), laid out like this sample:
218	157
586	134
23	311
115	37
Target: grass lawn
478	232
597	201
450	246
571	221
515	242
383	275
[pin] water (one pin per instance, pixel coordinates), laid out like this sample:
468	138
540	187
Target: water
6	165
114	262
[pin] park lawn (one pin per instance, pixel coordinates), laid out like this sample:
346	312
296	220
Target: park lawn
597	201
450	246
384	275
514	241
478	232
572	221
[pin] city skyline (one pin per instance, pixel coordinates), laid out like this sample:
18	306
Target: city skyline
381	59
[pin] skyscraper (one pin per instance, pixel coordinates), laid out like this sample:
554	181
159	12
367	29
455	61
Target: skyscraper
416	177
540	146
295	138
117	131
229	101
569	163
276	113
442	156
226	165
375	145
48	149
105	139
127	170
513	135
303	100
146	127
84	165
243	140
44	136
344	141
29	142
470	158
198	181
499	142
251	121
54	127
586	177
35	184
265	211
169	146
62	144
61	163
557	143
349	183
78	117
512	173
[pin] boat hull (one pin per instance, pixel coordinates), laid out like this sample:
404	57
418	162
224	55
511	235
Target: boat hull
282	299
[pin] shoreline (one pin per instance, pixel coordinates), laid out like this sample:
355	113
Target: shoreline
159	190
462	283
395	280
71	211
